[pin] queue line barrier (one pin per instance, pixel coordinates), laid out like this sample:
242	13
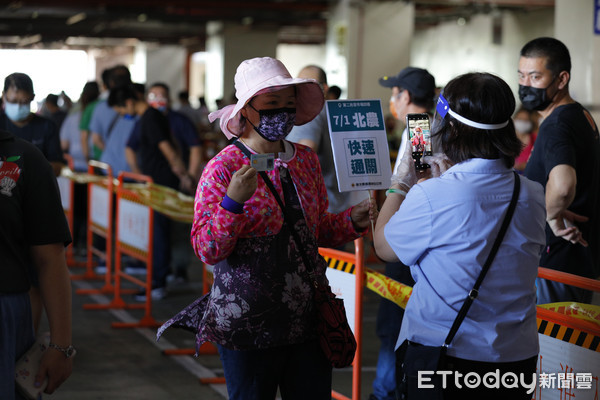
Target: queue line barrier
100	222
66	188
569	336
101	187
133	237
553	313
174	204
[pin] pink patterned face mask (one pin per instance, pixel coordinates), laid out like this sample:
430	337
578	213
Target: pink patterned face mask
275	124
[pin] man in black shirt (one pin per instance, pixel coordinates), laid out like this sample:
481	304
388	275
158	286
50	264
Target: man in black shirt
33	236
566	161
159	159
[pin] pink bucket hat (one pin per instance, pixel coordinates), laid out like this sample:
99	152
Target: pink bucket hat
260	75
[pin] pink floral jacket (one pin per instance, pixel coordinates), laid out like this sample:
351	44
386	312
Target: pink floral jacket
216	230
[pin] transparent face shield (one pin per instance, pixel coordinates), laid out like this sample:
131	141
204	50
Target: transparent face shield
442	108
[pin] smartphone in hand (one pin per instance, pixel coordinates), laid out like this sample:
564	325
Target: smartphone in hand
419	136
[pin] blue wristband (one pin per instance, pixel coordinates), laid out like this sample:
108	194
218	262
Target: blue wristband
232	205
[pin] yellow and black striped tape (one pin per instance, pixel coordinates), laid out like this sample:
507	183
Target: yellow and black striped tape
569	335
340	265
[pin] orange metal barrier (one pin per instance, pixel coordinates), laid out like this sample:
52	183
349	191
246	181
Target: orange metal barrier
351	263
144	255
562	319
141	225
101	225
569	279
67	196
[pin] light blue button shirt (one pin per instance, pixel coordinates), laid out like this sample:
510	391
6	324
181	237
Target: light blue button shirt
444	231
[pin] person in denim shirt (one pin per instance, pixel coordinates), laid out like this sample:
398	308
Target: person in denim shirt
444	228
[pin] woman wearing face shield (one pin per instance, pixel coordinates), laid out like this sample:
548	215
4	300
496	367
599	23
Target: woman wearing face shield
444	228
260	309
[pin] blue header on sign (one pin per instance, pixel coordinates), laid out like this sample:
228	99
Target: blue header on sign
355	115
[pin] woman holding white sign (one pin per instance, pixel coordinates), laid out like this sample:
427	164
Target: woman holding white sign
471	318
260	309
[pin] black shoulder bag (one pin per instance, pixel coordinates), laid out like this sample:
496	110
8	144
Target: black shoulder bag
334	334
419	357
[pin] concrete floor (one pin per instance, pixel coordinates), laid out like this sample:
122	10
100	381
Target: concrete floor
123	364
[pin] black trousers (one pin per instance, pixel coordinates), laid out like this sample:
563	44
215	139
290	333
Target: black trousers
478	380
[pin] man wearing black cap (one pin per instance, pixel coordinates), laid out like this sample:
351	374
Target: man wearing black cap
413	91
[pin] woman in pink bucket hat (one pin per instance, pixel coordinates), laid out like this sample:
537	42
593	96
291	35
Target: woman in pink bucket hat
260	309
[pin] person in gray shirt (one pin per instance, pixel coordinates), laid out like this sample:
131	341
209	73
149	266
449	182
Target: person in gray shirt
315	134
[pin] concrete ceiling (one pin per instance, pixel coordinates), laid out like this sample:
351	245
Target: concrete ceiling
85	23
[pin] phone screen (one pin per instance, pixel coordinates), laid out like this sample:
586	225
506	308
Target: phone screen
419	134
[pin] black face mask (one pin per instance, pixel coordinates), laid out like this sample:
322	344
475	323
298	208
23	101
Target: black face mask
535	99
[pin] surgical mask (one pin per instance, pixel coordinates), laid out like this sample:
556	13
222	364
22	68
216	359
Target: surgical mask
158	102
16	111
275	124
160	107
522	125
535	99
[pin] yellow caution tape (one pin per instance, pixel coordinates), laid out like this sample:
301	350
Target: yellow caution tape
388	288
583	311
174	204
81	177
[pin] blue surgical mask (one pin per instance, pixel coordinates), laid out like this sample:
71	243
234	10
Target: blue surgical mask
16	111
275	124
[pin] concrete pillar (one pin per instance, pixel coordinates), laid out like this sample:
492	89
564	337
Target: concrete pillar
227	46
166	64
374	40
574	26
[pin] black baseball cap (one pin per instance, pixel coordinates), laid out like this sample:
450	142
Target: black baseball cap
418	81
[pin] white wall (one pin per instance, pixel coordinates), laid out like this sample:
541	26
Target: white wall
214	63
575	28
295	57
166	64
336	48
379	44
449	49
241	43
